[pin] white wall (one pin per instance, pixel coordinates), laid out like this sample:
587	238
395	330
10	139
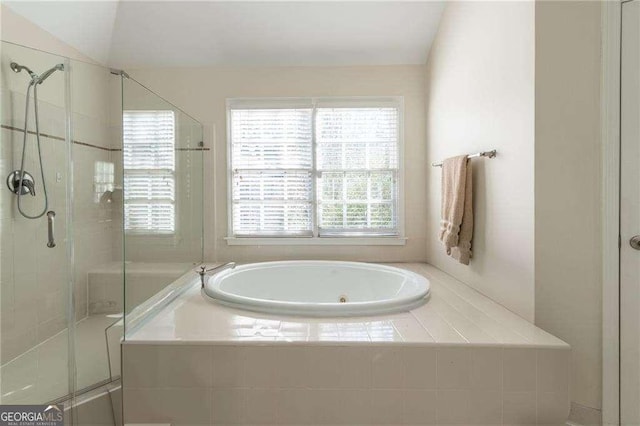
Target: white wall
203	91
480	96
568	178
16	29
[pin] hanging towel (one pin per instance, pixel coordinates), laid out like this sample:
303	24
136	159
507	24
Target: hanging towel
456	225
462	252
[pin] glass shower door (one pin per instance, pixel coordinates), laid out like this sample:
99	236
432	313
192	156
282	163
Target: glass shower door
96	121
35	348
162	193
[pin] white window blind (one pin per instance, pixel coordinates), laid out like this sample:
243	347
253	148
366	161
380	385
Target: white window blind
328	169
149	172
357	151
272	166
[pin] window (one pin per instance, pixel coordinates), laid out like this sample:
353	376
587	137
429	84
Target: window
314	167
149	172
103	179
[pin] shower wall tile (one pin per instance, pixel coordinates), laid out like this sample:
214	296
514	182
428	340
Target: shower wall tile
51	327
34	278
92	217
105	293
6	166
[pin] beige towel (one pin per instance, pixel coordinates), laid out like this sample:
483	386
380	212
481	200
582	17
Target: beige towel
462	252
456	226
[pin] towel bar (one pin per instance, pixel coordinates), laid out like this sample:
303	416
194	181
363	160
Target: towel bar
488	154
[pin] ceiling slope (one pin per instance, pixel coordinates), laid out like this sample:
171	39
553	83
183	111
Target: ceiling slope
84	25
235	33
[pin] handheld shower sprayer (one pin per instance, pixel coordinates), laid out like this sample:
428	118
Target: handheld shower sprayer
46	74
21	182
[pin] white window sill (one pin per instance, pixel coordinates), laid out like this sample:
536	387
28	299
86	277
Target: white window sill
317	241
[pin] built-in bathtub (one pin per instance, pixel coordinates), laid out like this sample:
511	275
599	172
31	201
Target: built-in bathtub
318	288
460	358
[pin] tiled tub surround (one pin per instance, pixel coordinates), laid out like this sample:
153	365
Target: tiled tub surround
459	359
143	281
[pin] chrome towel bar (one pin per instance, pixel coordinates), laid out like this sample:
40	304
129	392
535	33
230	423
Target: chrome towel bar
488	154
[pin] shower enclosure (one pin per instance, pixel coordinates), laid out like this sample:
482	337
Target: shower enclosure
101	209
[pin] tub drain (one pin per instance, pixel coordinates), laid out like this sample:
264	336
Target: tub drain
343	299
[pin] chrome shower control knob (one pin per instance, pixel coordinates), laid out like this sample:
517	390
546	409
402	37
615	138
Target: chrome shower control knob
26	185
634	242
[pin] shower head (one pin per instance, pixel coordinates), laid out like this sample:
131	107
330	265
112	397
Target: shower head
35	78
17	68
46	74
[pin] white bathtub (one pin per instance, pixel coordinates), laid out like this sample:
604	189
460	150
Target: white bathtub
318	288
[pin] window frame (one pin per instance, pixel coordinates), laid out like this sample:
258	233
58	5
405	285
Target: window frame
156	236
315	103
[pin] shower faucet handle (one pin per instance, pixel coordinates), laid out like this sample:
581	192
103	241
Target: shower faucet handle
21	181
31	187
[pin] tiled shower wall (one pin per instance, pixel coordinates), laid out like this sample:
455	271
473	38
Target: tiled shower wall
33	284
96	121
34	278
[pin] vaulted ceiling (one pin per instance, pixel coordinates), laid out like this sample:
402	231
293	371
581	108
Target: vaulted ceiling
228	33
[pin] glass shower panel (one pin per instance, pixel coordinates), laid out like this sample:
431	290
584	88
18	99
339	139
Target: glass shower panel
96	118
162	197
35	301
189	157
